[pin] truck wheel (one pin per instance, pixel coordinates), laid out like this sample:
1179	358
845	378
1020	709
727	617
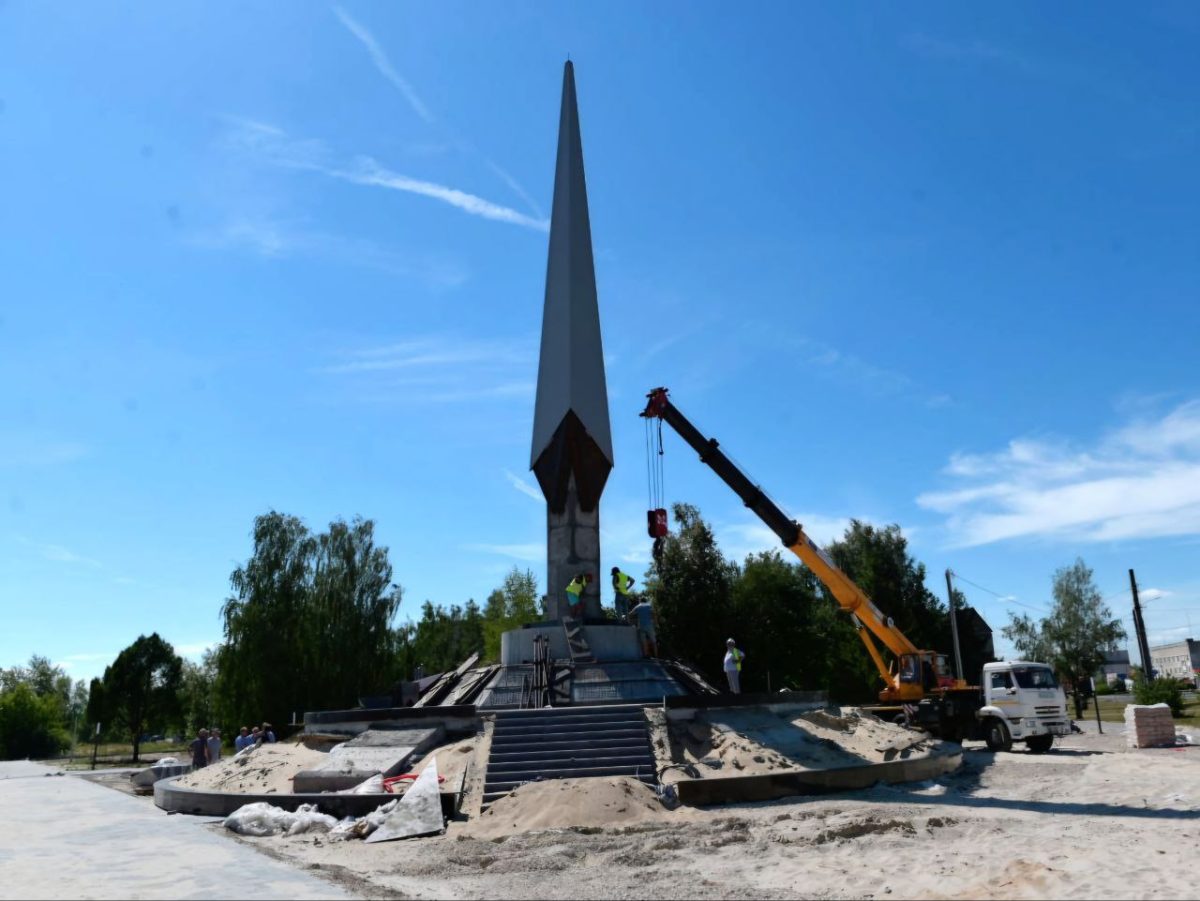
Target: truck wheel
1040	744
997	736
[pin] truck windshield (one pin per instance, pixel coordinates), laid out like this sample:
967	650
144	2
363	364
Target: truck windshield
1035	677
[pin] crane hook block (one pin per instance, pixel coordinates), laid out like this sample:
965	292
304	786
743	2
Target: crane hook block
656	523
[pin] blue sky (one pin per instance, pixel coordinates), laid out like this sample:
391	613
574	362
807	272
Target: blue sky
935	266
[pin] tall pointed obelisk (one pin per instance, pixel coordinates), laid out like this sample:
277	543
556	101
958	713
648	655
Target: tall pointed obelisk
572	446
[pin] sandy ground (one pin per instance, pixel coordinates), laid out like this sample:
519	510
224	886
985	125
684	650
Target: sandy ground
1092	819
267	769
564	803
270	768
754	741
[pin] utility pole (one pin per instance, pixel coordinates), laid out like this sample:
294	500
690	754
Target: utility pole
954	627
1139	624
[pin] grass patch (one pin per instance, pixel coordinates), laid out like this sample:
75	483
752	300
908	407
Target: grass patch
1112	709
116	754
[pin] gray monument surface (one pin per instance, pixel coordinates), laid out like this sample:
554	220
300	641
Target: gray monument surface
572	444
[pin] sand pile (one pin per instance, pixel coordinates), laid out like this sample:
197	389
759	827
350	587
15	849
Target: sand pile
452	759
268	769
560	803
756	741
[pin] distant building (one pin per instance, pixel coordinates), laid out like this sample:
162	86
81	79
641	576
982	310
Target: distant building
1114	667
1180	660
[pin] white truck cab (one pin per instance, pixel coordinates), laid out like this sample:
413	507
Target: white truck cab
1022	701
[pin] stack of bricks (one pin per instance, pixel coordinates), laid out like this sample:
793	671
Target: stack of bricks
1149	726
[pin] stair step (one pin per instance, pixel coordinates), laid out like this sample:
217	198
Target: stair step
581	709
566	745
569	722
585	724
569	749
541	738
569	714
546	765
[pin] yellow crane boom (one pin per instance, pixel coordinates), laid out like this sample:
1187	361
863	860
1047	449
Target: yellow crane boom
919	671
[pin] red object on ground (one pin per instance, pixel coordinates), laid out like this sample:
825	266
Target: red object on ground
407	777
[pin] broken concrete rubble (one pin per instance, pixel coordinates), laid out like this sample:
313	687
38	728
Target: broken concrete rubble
418	813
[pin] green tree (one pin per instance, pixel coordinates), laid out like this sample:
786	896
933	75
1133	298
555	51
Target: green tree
443	638
197	693
779	626
309	625
140	690
510	606
1077	633
878	561
96	713
53	689
30	724
691	590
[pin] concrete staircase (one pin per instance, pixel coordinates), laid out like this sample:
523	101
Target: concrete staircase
567	743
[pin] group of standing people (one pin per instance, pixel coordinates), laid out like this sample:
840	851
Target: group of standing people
206	746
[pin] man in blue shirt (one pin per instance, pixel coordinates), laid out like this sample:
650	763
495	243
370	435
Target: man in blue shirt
243	740
643	615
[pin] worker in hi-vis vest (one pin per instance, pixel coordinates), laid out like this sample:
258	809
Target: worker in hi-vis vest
621	593
733	666
575	594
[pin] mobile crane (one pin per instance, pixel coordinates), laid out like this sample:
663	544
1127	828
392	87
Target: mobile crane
1004	709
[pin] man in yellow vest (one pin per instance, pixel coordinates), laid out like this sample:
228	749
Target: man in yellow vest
621	593
575	594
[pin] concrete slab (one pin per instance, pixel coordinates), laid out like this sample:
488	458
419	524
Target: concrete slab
387	752
461	718
77	839
419	737
346	770
418	813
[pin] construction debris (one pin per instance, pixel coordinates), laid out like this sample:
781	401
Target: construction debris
418	813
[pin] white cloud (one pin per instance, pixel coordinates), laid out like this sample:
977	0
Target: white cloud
368	172
739	540
516	187
382	63
437	369
523	486
280	239
37	448
272	145
855	372
530	553
56	553
1140	481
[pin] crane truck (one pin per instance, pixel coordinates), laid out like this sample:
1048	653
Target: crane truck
1016	701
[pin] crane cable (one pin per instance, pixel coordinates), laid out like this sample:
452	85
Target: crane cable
654	463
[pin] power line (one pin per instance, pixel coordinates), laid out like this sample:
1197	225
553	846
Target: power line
1007	598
